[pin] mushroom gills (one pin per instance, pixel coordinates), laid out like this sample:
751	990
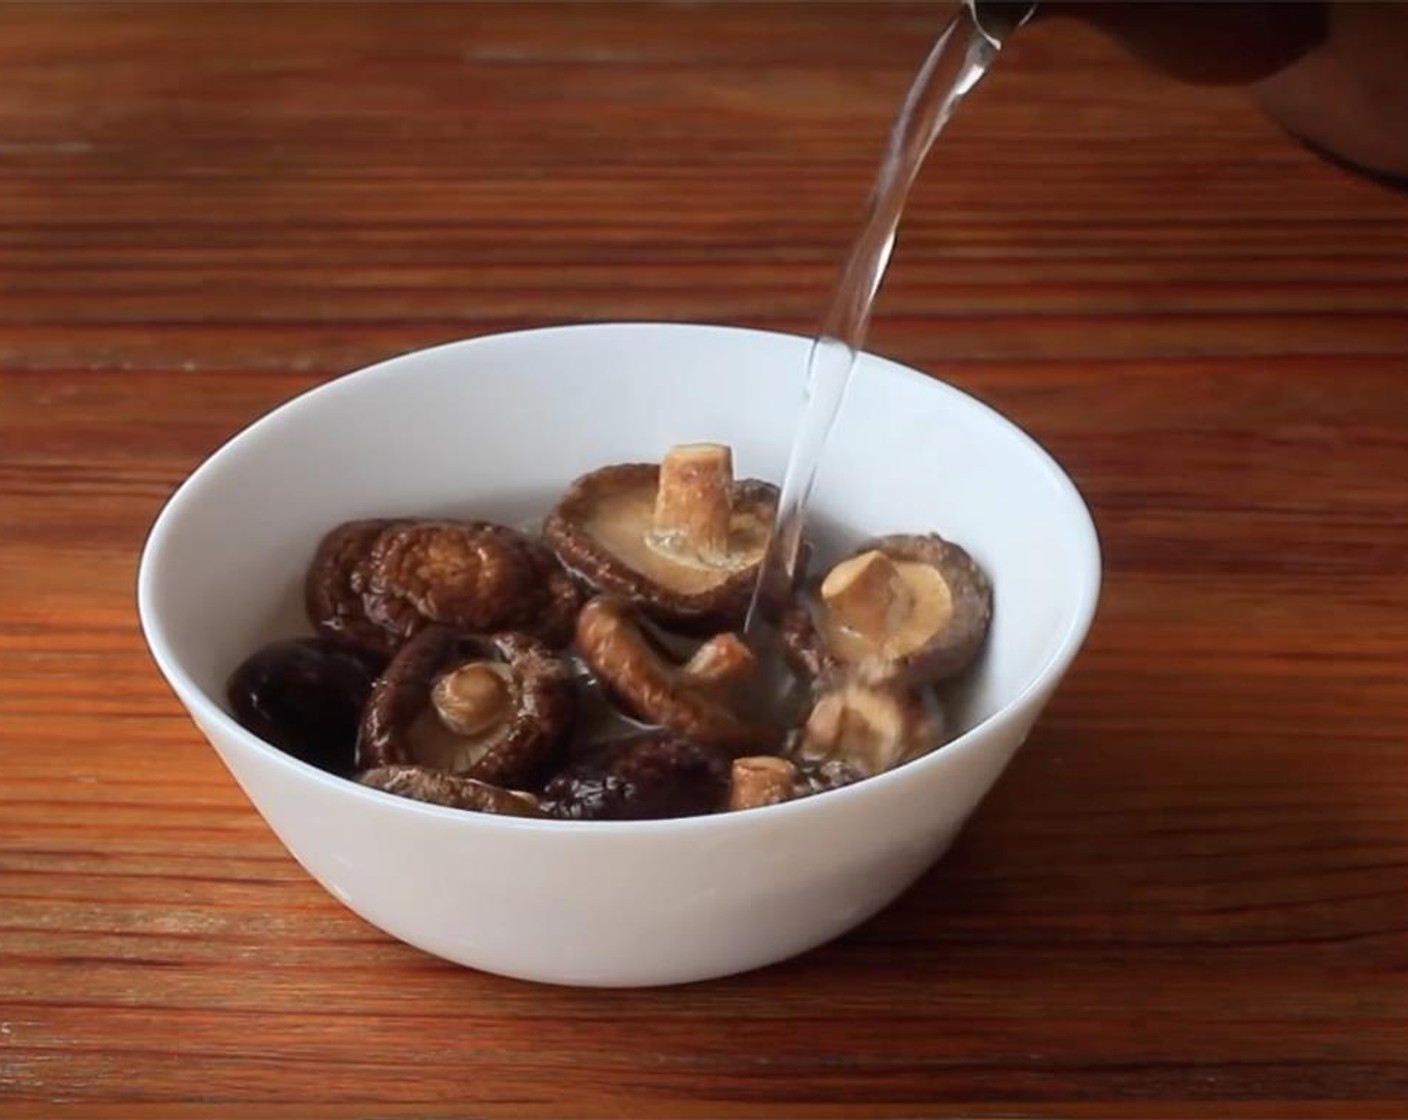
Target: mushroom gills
470	712
871	729
624	527
498	709
681	539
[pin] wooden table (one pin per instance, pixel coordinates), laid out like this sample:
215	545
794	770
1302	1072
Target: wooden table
1189	896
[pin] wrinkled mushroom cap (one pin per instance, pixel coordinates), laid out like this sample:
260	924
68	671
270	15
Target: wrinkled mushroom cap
681	540
379	582
652	776
905	609
335	581
306	696
695	699
497	709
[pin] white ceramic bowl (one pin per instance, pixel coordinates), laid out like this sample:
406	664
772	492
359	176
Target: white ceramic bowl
494	427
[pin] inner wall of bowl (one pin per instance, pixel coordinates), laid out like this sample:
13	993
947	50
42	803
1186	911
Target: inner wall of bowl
496	428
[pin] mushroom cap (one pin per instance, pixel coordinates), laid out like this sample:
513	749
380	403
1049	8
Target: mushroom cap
651	776
473	576
401	726
691	699
306	696
421	783
379	582
818	645
599	531
335	580
822	777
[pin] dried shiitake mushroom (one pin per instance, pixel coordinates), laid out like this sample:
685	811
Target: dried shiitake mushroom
770	779
437	787
305	696
694	698
336	579
473	576
904	609
681	540
652	776
758	780
869	729
380	582
474	709
497	709
821	777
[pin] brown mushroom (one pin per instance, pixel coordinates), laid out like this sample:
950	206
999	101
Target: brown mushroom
681	540
497	709
306	696
695	698
869	729
759	780
335	581
769	779
904	609
420	783
379	582
822	777
650	776
472	576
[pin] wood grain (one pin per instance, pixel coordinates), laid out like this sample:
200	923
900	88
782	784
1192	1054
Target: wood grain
1189	896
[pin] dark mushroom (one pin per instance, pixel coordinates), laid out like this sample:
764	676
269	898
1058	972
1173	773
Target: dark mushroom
822	777
496	709
470	575
695	698
804	647
377	583
905	609
868	729
305	696
436	787
336	580
681	540
651	776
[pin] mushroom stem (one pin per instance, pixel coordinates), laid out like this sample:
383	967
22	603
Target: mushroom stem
722	660
761	780
868	595
472	698
694	504
649	685
872	729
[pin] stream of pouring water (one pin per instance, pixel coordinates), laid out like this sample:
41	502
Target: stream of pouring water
958	61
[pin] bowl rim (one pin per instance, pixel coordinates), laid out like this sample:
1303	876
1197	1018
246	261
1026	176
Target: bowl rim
206	711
